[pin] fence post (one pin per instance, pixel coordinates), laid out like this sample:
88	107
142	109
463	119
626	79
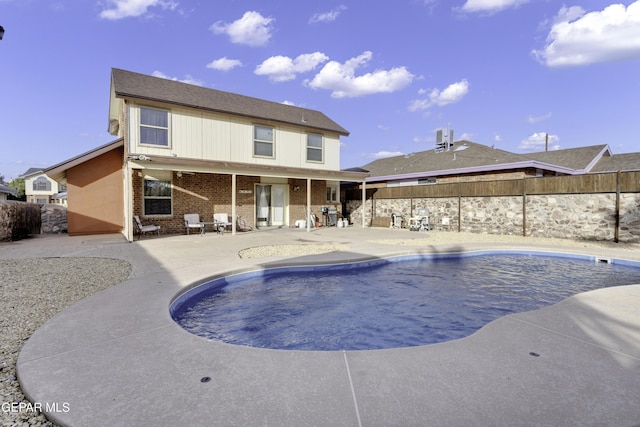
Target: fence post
459	209
524	206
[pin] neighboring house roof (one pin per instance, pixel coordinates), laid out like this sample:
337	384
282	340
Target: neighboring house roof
619	162
31	171
127	84
580	159
58	172
463	157
7	190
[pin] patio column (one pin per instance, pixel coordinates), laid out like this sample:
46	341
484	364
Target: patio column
233	204
364	201
128	202
309	205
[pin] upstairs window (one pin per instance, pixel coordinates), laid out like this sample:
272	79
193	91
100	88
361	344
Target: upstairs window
314	148
154	127
263	141
41	184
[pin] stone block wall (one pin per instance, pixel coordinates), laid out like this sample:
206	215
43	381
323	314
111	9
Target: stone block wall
54	218
572	216
565	216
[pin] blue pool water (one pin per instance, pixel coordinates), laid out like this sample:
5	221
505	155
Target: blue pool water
389	303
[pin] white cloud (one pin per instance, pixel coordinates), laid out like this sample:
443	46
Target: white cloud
252	29
490	6
328	16
537	119
224	64
384	154
126	8
579	38
537	142
188	78
342	81
282	68
451	94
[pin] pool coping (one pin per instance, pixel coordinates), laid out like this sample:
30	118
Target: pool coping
118	358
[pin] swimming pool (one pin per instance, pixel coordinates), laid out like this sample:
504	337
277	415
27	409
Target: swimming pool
388	303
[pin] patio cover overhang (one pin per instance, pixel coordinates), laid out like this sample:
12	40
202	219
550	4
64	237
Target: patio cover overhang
139	161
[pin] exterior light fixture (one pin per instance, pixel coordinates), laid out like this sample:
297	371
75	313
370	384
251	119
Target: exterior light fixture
1	32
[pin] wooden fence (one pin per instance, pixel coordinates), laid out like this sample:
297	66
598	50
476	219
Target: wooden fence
621	182
612	184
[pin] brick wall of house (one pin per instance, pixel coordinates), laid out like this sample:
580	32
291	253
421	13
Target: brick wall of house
206	194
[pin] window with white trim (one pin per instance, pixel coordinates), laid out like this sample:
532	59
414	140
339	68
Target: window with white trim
41	184
314	148
154	127
262	141
157	194
332	193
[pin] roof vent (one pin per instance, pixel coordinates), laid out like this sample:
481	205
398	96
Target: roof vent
444	140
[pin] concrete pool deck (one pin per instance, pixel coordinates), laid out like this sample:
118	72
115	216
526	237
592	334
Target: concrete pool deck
117	357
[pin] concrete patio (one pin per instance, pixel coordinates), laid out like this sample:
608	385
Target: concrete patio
117	357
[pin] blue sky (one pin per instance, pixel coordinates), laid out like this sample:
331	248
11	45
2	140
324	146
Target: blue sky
497	72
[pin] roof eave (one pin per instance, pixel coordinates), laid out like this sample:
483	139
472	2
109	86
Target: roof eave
221	166
123	95
58	172
476	169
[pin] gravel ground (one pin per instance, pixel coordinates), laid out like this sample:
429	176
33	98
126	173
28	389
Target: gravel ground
31	292
291	250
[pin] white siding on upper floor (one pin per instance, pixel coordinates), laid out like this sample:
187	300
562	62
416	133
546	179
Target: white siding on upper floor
203	135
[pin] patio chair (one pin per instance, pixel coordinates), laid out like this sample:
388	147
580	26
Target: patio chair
193	221
142	229
222	221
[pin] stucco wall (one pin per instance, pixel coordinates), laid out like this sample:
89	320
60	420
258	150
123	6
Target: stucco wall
95	195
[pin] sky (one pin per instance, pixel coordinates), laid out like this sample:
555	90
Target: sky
504	73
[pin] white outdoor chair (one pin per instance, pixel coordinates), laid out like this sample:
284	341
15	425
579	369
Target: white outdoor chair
221	221
142	229
193	221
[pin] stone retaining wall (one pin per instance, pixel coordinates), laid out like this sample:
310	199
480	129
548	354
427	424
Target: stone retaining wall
54	218
568	216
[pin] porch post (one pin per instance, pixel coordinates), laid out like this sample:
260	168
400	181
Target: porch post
233	204
364	201
128	201
309	205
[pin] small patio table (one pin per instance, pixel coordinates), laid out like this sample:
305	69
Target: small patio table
216	226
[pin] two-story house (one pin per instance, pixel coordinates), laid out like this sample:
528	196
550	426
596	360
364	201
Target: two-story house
182	148
41	189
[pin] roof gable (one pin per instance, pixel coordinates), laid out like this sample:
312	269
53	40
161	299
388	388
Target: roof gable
581	158
127	84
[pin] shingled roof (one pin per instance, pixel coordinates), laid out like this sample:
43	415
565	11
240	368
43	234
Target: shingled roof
470	157
127	84
581	158
619	162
